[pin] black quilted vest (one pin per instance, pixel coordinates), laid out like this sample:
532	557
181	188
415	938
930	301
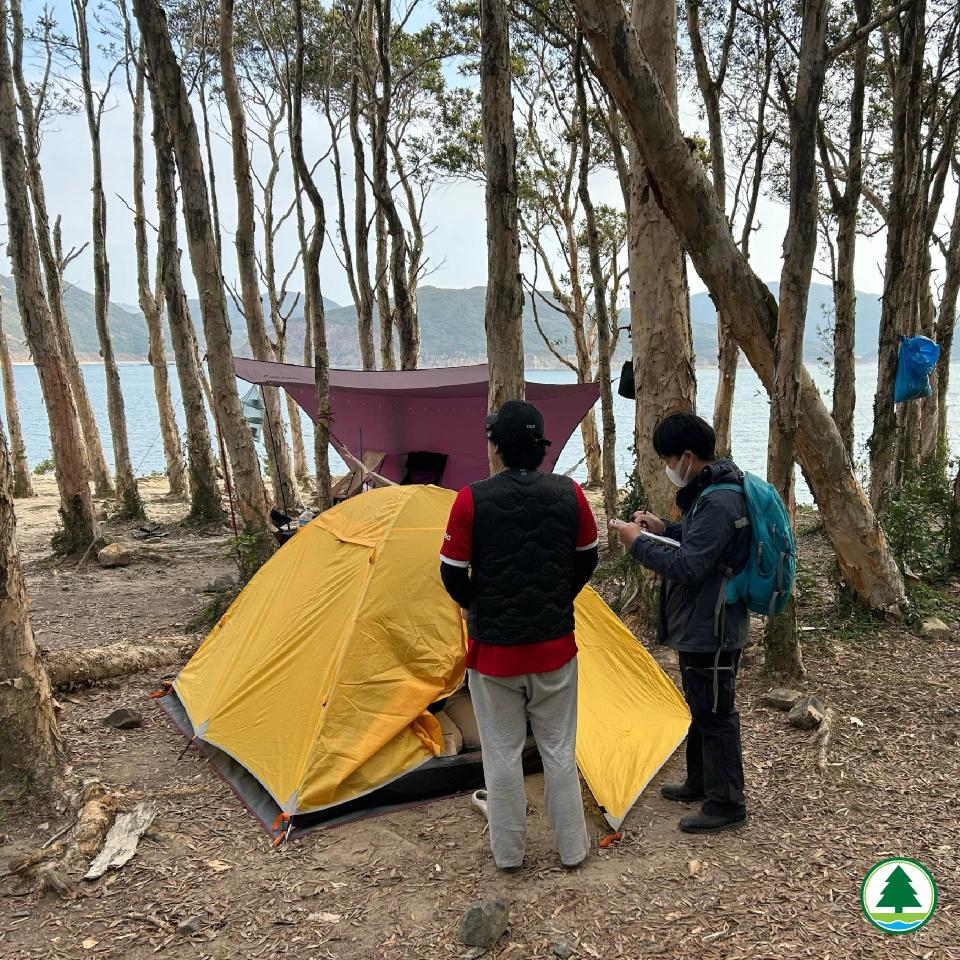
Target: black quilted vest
524	540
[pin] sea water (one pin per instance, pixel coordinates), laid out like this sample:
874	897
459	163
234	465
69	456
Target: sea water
751	412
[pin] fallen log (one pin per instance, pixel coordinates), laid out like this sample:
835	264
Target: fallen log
89	665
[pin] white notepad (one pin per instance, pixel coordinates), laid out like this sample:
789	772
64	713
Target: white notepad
669	541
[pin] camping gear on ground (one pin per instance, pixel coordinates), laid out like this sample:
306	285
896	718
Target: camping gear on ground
440	410
459	709
312	693
918	356
627	386
452	737
352	484
765	584
478	800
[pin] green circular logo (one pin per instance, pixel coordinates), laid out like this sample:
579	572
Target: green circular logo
898	895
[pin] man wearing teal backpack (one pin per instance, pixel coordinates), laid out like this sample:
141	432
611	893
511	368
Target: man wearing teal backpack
700	615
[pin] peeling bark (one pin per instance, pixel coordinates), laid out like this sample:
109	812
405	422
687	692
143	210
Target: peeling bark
178	113
663	361
79	525
22	485
31	748
503	309
687	195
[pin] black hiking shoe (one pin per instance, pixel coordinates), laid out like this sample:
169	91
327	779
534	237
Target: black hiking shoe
681	792
711	823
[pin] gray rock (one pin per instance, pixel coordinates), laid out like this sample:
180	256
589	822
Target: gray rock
102	515
563	950
807	714
219	584
935	628
115	555
124	718
193	925
782	698
484	923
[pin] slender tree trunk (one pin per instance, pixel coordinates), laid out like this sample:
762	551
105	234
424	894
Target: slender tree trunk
128	493
800	247
278	454
103	483
604	347
687	195
22	485
382	287
205	502
178	114
844	331
955	523
311	272
361	225
151	303
946	324
31	748
503	309
663	360
898	310
924	446
211	168
405	316
728	353
80	527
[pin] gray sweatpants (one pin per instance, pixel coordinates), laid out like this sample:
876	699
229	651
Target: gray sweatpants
502	705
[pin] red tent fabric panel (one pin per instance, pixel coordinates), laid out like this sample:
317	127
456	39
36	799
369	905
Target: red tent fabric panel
441	410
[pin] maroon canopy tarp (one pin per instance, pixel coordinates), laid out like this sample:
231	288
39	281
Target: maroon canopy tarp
439	410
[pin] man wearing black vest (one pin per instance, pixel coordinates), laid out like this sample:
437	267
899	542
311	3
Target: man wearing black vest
518	549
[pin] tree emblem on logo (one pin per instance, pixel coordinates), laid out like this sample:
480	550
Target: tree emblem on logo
898	892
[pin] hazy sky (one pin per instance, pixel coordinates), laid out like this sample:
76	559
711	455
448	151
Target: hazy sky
454	213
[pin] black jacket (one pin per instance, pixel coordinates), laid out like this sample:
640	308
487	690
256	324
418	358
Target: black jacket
525	569
689	618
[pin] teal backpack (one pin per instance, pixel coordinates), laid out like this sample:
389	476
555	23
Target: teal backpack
766	582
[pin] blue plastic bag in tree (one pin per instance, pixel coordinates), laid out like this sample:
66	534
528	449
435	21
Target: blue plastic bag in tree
918	357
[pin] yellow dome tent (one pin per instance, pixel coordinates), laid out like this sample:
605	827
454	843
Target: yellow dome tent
312	692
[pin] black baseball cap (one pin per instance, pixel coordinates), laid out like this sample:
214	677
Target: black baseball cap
516	419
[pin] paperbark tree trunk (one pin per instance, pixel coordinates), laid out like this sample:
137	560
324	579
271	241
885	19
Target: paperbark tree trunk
728	353
846	206
278	454
128	493
169	85
899	310
799	249
151	302
687	195
604	345
663	361
361	227
315	319
22	484
503	308
382	290
79	525
103	483
31	748
946	323
205	504
404	308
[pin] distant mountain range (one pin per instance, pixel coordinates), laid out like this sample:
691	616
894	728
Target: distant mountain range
451	324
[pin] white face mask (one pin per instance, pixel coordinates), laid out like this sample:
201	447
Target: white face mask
674	475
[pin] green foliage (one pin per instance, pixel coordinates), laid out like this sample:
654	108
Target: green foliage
44	466
917	520
632	497
250	550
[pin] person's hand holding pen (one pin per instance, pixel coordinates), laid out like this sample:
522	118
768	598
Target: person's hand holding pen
643	522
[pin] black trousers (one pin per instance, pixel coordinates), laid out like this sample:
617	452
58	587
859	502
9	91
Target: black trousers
714	757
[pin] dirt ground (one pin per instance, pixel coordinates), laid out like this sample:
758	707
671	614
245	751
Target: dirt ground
393	888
